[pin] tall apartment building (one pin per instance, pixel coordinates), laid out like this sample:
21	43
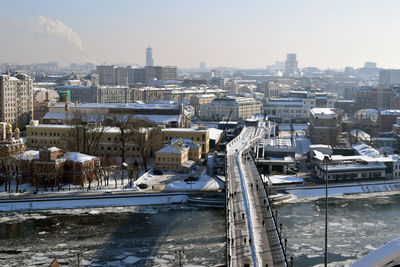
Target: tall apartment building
16	99
106	74
291	65
98	94
388	77
375	98
325	125
149	56
113	75
240	108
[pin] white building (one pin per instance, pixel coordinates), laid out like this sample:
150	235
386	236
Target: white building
294	106
16	98
239	108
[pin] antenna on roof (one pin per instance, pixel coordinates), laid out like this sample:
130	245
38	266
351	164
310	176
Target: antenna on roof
66	108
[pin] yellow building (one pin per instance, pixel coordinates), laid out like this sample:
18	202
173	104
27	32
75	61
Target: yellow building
109	145
200	135
180	152
172	157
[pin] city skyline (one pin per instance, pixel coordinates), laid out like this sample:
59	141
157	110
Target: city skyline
232	34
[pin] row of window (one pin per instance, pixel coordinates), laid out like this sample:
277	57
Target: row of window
167	159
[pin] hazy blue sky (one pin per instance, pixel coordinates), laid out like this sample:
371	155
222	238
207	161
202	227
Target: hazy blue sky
244	34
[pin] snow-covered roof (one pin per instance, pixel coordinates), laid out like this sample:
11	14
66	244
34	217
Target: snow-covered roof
281	179
188	142
183	130
169	149
365	150
125	106
277	142
78	157
328	112
394	112
27	155
158	119
215	133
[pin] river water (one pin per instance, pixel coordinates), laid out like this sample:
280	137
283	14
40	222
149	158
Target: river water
148	236
151	235
358	224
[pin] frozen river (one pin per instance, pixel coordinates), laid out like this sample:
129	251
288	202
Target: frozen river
357	225
148	236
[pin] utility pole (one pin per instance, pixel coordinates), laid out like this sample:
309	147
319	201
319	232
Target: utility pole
326	159
180	255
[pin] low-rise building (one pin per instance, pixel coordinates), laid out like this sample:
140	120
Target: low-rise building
200	135
172	157
50	167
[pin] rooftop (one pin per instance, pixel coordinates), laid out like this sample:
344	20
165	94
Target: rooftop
322	111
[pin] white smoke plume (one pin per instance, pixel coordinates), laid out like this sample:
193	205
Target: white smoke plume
57	28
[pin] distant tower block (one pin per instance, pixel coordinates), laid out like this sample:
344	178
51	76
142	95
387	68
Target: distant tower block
149	56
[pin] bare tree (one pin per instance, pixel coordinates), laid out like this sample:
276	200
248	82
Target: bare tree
86	131
144	141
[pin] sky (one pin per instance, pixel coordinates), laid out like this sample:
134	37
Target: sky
231	33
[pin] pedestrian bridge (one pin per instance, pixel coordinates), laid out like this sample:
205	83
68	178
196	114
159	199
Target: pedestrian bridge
252	232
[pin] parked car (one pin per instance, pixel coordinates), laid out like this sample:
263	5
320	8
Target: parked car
157	172
191	179
143	186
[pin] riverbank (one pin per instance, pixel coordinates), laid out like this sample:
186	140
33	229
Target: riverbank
92	201
342	189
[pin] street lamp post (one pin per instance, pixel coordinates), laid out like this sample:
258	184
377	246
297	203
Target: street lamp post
326	159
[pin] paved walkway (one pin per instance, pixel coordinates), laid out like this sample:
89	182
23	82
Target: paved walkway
252	236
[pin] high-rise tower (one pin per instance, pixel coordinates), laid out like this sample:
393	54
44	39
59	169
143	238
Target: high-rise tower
291	68
149	56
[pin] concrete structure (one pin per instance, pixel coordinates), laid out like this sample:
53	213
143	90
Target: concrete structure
387	118
16	99
252	237
294	106
325	125
98	94
357	167
44	95
291	65
149	56
240	108
197	101
131	75
375	97
389	77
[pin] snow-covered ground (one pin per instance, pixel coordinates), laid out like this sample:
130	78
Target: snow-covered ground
205	183
353	188
282	179
92	201
172	181
115	184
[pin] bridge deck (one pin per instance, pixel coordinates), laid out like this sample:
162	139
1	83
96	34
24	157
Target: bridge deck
252	234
